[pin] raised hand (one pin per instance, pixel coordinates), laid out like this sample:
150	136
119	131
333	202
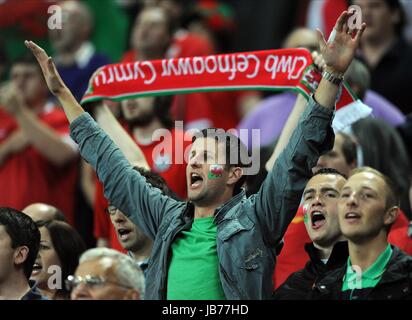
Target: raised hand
338	52
50	73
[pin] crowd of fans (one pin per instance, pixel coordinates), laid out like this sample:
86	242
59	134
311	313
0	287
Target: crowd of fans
92	208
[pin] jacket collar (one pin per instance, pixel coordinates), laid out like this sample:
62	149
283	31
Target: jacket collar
395	271
220	212
396	266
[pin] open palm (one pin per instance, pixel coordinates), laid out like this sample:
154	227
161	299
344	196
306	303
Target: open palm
338	52
53	79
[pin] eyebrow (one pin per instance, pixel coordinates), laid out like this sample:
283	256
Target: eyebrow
322	190
363	187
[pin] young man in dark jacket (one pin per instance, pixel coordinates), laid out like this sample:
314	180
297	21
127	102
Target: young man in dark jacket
375	270
19	244
219	245
328	250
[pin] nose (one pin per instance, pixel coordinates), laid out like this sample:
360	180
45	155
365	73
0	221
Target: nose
317	200
118	217
194	162
352	200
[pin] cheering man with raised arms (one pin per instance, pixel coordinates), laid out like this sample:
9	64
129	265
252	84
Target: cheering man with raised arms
219	244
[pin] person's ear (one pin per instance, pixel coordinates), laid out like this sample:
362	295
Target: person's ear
132	294
390	216
235	173
20	255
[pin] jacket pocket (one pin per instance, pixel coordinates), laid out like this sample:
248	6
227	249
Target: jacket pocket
234	226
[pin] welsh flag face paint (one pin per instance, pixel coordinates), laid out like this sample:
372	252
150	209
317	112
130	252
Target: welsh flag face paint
215	171
305	211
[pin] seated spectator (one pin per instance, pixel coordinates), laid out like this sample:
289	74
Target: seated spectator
59	253
37	156
386	52
19	244
75	56
45	212
105	274
327	251
375	270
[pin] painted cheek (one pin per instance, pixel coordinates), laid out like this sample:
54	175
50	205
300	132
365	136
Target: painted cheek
305	215
215	171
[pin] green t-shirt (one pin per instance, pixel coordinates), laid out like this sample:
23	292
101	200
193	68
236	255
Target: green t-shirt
356	280
194	267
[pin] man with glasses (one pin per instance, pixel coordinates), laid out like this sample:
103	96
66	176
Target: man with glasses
105	274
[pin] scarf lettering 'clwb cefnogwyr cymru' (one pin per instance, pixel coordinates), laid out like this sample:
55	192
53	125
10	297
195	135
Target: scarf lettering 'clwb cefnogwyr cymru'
277	70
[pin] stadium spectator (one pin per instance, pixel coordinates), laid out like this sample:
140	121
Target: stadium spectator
106	274
75	56
386	52
37	156
59	253
152	35
216	196
45	212
328	250
375	270
19	244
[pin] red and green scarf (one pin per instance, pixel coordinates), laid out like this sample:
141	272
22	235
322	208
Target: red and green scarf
276	70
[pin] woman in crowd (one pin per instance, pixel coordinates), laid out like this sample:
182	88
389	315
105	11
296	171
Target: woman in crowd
60	249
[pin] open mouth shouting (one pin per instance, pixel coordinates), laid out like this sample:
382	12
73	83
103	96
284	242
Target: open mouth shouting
317	219
37	267
124	233
195	180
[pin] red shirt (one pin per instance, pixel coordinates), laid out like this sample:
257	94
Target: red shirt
293	256
174	175
28	177
195	109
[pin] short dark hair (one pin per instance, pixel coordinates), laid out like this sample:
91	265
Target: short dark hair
233	147
323	171
68	245
23	232
155	180
348	148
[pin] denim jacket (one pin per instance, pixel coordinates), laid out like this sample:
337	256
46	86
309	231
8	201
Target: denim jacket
248	229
